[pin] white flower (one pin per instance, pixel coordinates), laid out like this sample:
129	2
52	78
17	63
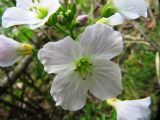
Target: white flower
11	50
84	65
131	109
125	10
33	12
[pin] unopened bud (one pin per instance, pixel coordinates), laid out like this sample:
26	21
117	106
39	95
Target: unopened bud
68	13
82	19
60	18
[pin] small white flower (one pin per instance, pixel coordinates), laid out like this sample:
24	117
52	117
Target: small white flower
33	12
131	109
11	50
84	65
126	10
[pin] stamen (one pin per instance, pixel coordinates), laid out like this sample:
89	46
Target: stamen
41	12
84	67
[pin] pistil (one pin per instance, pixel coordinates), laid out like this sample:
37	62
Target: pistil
84	67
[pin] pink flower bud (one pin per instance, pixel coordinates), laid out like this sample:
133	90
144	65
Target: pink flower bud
82	19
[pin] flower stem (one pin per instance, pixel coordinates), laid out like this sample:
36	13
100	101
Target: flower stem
71	33
60	29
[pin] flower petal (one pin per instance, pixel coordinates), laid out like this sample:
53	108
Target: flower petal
131	9
115	19
24	4
17	16
105	81
39	24
133	109
101	40
57	56
53	9
8	51
69	91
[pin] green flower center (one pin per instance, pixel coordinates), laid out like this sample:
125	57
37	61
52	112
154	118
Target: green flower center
42	12
84	67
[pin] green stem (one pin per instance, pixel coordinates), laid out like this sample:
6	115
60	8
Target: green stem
60	29
69	27
71	33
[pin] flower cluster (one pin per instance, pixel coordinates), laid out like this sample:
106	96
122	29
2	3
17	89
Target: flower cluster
81	65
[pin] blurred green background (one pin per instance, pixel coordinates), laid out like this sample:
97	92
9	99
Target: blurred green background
25	95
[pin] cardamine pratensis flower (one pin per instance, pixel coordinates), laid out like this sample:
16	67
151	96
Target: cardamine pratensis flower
117	11
35	13
84	66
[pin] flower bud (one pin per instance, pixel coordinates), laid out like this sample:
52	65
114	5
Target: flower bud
82	19
68	13
60	18
11	50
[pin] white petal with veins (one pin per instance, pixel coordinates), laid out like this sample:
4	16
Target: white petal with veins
106	79
17	16
102	41
133	109
69	91
56	56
